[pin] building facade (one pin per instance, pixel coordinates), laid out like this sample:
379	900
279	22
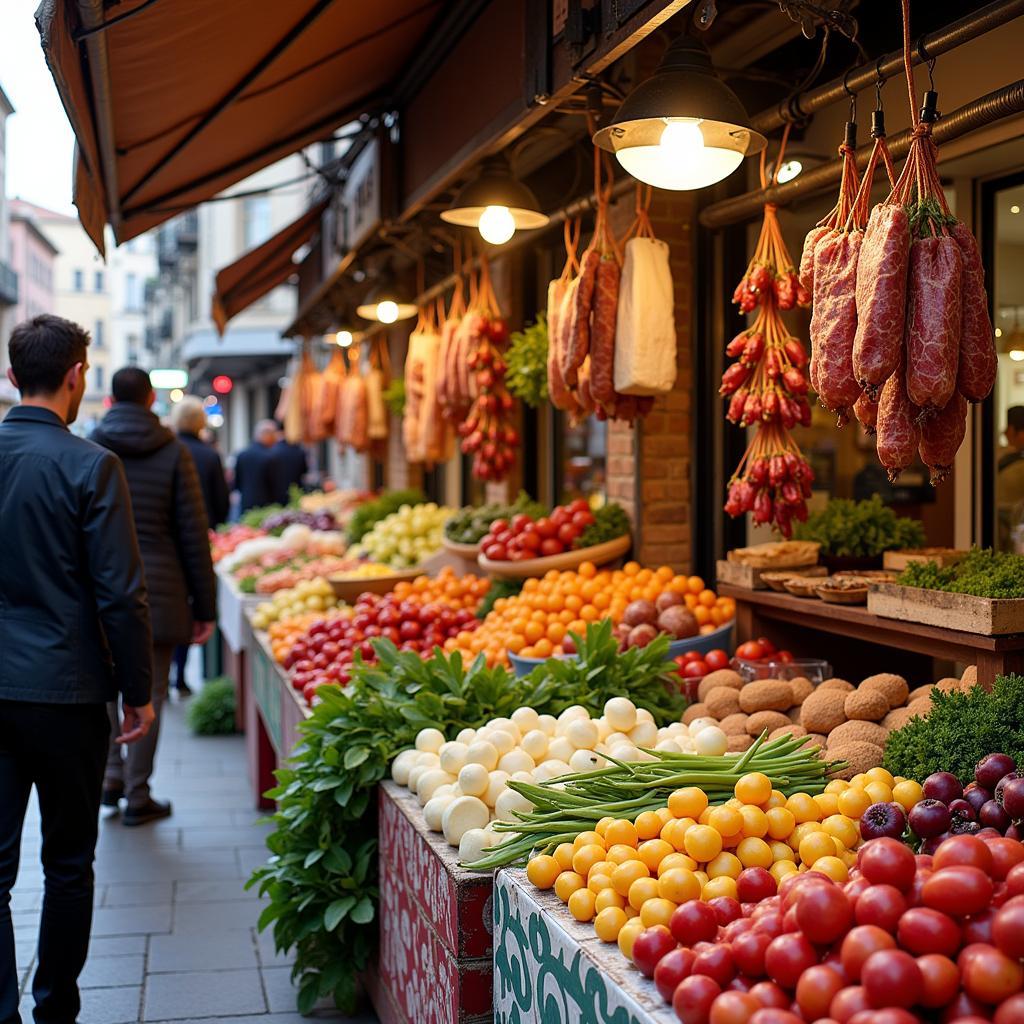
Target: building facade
132	269
33	258
8	276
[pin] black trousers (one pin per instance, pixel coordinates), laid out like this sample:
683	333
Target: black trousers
61	750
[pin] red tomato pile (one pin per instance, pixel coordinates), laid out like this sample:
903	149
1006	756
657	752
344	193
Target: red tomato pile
907	940
694	666
524	537
761	649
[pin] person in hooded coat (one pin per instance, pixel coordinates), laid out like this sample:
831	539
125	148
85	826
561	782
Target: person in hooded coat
170	520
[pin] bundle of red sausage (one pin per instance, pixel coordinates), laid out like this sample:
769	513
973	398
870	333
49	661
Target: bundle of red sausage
767	386
901	330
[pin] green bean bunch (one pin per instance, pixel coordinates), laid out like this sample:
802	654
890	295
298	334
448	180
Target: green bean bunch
567	805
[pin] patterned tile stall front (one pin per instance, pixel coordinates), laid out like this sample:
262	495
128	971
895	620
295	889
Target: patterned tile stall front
549	968
435	945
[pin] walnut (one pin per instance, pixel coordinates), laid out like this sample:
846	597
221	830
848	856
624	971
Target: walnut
766	695
893	687
823	710
866	705
897	718
924	692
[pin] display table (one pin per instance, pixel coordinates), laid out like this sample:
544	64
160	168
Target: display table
549	967
273	711
435	924
233	608
852	635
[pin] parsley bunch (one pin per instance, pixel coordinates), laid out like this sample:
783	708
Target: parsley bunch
610	521
852	529
982	572
527	359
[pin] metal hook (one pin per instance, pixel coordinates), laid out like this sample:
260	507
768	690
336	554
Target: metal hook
929	63
879	82
853	98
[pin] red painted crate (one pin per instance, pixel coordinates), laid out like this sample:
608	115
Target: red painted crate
436	923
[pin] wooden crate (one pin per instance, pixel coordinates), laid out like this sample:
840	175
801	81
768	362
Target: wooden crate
897	561
746	576
964	612
436	923
549	967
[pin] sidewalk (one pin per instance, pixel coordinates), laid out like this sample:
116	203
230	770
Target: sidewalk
174	935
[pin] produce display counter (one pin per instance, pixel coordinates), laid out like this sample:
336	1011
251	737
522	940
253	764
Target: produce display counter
435	962
273	711
852	636
549	967
235	636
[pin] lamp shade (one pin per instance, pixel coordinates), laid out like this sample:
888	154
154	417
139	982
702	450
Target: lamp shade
495	195
683	128
382	307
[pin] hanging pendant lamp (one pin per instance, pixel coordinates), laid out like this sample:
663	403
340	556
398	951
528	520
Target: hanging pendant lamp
383	308
496	203
683	128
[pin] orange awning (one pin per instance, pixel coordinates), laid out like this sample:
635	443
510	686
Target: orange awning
172	101
251	276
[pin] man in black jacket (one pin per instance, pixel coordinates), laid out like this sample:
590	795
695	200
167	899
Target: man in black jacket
288	466
171	524
74	632
254	478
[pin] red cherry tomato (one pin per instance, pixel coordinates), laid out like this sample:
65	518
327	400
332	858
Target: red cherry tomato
567	534
520	522
887	862
787	957
1010	1011
733	1008
767	993
859	944
716	659
546	527
579	505
1006	853
816	989
881	905
694	670
693	997
650	946
748	951
716	962
824	913
847	1002
963	850
675	965
990	976
924	930
750	651
940	980
891	977
959	890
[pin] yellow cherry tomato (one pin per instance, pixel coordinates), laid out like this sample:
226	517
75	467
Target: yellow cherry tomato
620	831
725	864
586	857
753	788
674	861
842	828
648	825
837	786
564	854
657	911
755	821
781	822
609	898
777	799
727	821
642	890
679	885
688	803
754	853
780	851
581	905
803	808
815	846
675	831
587	839
601	827
597	883
626	874
880	774
653	851
567	883
833	867
781	868
853	802
801	832
723	885
703	843
906	793
542	871
828	803
620	853
609	922
879	792
627	936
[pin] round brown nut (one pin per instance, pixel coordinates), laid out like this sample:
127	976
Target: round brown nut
893	687
922	708
858	732
787	730
720	677
897	718
949	684
695	711
739	742
734	725
866	705
860	757
969	678
794	714
836	684
723	701
823	710
924	692
802	688
766	695
815	739
770	720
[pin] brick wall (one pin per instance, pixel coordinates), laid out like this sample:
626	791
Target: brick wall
649	465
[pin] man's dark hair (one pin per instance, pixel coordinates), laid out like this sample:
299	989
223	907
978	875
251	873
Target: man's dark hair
42	350
130	384
1015	417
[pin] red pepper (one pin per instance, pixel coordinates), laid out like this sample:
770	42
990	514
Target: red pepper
741	290
758	472
792	461
790	492
736	404
748	300
760	278
804	409
782	519
751	409
800	511
763	507
770	407
787	412
736	346
734	376
772	364
785	293
777	472
753	348
803	296
795	381
795	352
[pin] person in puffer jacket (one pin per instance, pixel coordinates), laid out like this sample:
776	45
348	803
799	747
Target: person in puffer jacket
170	520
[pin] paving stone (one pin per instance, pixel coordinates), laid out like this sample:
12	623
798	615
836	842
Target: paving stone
132	920
214	917
210	993
110	1005
281	993
201	892
224	951
137	894
235	836
112	971
116	945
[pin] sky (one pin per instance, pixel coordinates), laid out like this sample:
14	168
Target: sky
40	142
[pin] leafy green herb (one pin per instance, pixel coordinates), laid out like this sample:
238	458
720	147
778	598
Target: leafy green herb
321	879
394	396
471	524
498	588
248	585
860	529
610	521
255	516
982	572
372	512
527	359
212	711
960	730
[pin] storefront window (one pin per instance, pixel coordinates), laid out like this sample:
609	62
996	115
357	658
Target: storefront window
583	465
1008	308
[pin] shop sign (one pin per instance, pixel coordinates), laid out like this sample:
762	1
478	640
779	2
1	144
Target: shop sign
361	199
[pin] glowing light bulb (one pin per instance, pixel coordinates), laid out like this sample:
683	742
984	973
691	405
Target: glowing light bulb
681	160
1017	355
1015	208
497	225
999	332
344	338
682	140
176	395
788	170
387	311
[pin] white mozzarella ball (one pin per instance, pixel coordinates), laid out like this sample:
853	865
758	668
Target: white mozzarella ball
502	741
554	768
604	730
473	845
453	756
586	761
466	736
669	746
612	739
523	776
429	740
702	723
510	802
560	749
448	789
482	752
644	734
573	712
462	814
506	725
711	741
582	734
620	713
495	786
535	743
473	779
434	808
401	766
643	715
517	761
429	781
526	719
548	724
624	752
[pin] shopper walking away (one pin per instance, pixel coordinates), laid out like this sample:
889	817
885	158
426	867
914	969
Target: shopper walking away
188	417
287	469
253	472
171	524
74	632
